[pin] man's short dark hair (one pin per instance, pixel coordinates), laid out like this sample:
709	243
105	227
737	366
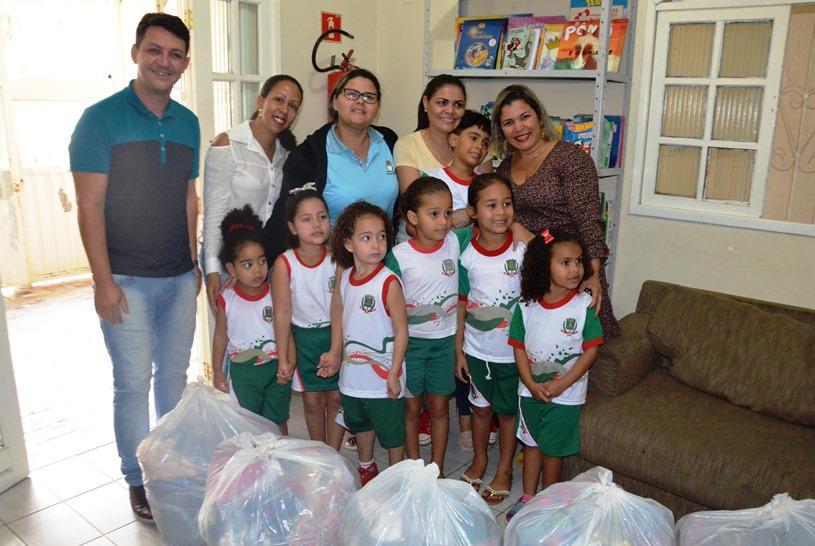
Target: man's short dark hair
168	22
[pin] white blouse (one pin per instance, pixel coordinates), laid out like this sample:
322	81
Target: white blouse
235	175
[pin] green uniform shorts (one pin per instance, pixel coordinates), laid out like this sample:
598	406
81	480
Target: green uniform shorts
554	427
430	366
258	391
494	384
386	417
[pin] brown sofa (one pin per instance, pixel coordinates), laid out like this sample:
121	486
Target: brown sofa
707	401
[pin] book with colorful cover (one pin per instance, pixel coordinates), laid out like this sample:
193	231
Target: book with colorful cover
461	20
549	45
591	8
480	43
522	40
580	43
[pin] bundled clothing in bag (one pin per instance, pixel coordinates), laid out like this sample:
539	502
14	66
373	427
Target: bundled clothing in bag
590	510
408	504
175	457
275	491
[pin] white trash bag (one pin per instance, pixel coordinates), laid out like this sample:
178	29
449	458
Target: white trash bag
783	521
408	505
590	510
273	491
175	456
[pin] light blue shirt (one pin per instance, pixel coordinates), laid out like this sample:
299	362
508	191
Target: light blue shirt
349	179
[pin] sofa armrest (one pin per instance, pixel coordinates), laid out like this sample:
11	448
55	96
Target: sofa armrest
624	361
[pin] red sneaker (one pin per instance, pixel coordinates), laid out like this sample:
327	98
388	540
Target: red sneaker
367	474
424	428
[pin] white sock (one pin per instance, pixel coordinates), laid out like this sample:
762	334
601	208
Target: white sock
366	465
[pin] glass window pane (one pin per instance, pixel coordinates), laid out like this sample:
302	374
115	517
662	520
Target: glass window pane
745	49
222	106
729	174
249	93
683	112
677	170
689	50
248	19
219	11
737	113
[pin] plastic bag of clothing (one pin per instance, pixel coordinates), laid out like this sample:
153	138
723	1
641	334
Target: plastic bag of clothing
783	521
175	456
591	510
274	491
408	505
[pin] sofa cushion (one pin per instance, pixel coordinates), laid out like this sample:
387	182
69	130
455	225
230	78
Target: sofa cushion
752	358
696	446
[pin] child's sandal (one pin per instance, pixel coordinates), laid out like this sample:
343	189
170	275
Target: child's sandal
475	482
494	496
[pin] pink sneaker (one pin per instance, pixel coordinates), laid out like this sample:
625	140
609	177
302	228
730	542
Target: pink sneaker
367	474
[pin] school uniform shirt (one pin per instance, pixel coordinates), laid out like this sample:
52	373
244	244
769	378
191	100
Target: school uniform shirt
311	288
249	325
458	186
367	334
557	334
430	278
490	284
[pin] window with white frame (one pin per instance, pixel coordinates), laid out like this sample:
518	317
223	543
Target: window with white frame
236	61
716	131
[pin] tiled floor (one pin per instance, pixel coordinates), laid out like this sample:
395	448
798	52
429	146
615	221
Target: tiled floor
75	494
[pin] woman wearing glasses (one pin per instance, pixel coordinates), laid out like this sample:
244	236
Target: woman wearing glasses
345	160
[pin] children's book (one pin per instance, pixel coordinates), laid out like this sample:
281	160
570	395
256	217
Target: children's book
522	41
591	8
461	20
480	43
580	43
549	45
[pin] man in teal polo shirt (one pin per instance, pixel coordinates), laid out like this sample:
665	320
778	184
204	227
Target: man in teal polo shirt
134	159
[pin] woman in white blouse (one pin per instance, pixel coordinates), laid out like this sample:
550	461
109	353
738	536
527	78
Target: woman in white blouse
245	166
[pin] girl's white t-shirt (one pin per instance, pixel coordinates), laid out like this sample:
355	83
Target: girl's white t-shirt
490	284
367	334
430	278
311	288
249	325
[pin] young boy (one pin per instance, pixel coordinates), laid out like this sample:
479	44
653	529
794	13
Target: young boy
470	142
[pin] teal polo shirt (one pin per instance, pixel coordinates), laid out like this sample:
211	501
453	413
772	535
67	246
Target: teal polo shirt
348	179
149	162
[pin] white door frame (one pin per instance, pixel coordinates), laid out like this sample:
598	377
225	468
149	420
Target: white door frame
13	460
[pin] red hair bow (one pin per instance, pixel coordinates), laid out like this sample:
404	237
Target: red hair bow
247	227
547	237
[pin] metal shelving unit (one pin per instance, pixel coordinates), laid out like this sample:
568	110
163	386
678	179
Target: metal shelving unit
610	179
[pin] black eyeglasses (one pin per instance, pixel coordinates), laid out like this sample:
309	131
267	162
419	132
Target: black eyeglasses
367	98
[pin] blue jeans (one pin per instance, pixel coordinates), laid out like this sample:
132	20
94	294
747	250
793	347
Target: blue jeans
153	341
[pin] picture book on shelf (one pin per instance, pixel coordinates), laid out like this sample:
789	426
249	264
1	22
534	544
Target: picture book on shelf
578	8
580	43
479	45
549	45
461	20
521	43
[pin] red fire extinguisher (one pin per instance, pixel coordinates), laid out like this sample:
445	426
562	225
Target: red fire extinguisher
336	70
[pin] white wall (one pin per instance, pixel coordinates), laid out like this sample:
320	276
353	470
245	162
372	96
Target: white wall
299	28
758	264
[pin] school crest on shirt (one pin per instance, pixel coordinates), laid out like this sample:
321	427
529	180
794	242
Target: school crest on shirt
268	313
569	327
368	304
511	267
331	281
448	268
